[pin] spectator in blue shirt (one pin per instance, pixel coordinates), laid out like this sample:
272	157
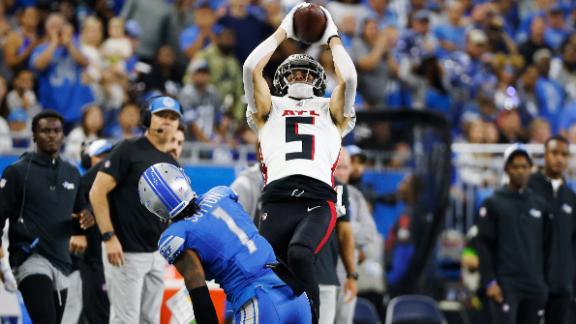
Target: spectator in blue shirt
133	32
567	121
452	34
249	30
563	68
381	12
418	40
200	34
201	103
556	31
348	30
436	97
466	70
59	64
549	93
510	12
19	44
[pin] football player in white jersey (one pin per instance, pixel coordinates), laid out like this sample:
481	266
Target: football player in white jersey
300	135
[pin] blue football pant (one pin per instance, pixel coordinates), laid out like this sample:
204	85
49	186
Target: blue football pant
275	305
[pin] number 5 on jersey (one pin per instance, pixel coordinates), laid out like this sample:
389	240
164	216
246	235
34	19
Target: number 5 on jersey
307	140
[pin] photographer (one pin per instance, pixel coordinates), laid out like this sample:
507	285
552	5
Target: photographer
39	194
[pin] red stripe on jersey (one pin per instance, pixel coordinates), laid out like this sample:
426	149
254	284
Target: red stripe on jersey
333	168
330	227
264	171
263	168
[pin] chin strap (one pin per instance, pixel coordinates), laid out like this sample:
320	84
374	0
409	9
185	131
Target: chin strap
300	91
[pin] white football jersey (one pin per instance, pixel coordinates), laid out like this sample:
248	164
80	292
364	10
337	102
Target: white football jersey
299	138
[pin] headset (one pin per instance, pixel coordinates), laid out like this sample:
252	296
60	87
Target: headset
85	160
146	113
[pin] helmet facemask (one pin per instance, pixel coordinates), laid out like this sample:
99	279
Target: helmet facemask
311	74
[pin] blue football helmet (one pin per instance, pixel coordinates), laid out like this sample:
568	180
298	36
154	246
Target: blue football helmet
165	190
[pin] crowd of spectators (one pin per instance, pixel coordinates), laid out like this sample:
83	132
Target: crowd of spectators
500	71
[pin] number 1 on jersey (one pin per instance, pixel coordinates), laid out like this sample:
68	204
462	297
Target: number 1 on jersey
234	228
307	140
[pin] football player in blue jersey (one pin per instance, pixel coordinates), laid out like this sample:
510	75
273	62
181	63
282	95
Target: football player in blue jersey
212	237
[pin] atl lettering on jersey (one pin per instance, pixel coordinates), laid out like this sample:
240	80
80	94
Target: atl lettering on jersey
299	138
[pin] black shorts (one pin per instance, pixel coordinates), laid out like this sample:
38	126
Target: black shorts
304	222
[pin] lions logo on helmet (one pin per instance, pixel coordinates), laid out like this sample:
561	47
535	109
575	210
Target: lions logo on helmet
299	62
165	190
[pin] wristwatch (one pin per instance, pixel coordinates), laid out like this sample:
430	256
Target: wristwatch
353	275
107	235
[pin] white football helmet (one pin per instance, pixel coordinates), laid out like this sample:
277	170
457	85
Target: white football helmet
165	190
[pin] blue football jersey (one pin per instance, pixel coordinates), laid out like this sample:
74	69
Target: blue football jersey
230	248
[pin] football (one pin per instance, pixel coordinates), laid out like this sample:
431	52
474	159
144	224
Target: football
309	23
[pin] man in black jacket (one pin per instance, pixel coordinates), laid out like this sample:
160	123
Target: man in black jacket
550	185
39	194
512	244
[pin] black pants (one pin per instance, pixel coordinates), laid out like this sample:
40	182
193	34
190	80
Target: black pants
44	304
558	309
96	308
297	230
518	309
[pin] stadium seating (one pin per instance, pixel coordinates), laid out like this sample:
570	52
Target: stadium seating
365	312
414	309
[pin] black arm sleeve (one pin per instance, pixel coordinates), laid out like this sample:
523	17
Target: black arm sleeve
204	310
487	242
10	196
